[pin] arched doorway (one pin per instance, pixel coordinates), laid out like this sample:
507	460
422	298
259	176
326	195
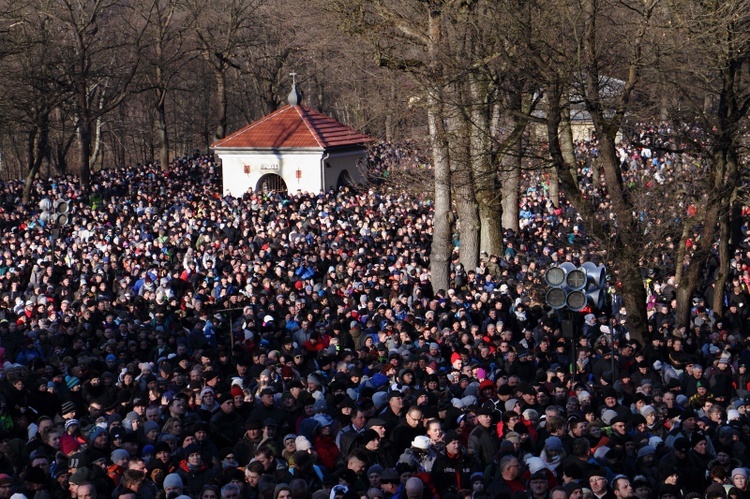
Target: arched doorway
271	182
345	179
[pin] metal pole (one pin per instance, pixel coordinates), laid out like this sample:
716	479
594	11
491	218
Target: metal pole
573	347
612	343
231	328
573	356
231	334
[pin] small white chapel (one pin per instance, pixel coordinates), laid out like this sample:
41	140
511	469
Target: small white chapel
293	148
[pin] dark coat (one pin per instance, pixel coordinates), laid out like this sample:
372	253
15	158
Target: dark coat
453	473
194	480
226	429
482	444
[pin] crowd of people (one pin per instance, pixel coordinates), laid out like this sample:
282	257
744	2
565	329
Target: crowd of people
171	343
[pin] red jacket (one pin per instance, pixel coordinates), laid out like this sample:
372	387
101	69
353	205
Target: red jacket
328	452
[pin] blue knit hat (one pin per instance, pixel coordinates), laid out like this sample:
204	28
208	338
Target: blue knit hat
72	382
96	431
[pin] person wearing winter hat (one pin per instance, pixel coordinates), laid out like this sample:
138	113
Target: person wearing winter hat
507	479
574	490
374	474
99	448
534	464
645	452
739	479
162	463
120	459
414	488
482	443
244	450
226	423
607	416
553	453
645	461
289	446
73	383
151	431
6	485
599	485
651	416
302	443
68	410
688	425
368	438
452	468
538	485
193	471
71	440
173	484
669	492
34	479
477	482
699	458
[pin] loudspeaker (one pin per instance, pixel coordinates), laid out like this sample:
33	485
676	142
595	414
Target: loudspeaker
62	206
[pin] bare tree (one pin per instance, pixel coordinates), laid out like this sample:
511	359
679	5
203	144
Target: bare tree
166	52
30	81
98	59
223	30
583	62
709	63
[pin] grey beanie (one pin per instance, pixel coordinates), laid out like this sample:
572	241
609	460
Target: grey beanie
173	480
150	426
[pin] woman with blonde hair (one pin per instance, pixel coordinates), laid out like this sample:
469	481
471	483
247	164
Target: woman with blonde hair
173	426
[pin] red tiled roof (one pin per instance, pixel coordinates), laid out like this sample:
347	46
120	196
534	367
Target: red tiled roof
293	127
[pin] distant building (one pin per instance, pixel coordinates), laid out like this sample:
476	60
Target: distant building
293	148
581	122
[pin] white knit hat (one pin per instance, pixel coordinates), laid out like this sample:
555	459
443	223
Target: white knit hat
302	443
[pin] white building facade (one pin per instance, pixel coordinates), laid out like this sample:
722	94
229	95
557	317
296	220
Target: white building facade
292	149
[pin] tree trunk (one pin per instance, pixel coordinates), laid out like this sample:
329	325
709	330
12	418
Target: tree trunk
681	253
626	249
222	104
722	183
567	148
442	247
466	209
162	135
440	254
390	121
486	189
490	229
683	297
722	276
553	189
38	150
463	195
634	298
96	145
693	273
84	153
510	184
510	167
